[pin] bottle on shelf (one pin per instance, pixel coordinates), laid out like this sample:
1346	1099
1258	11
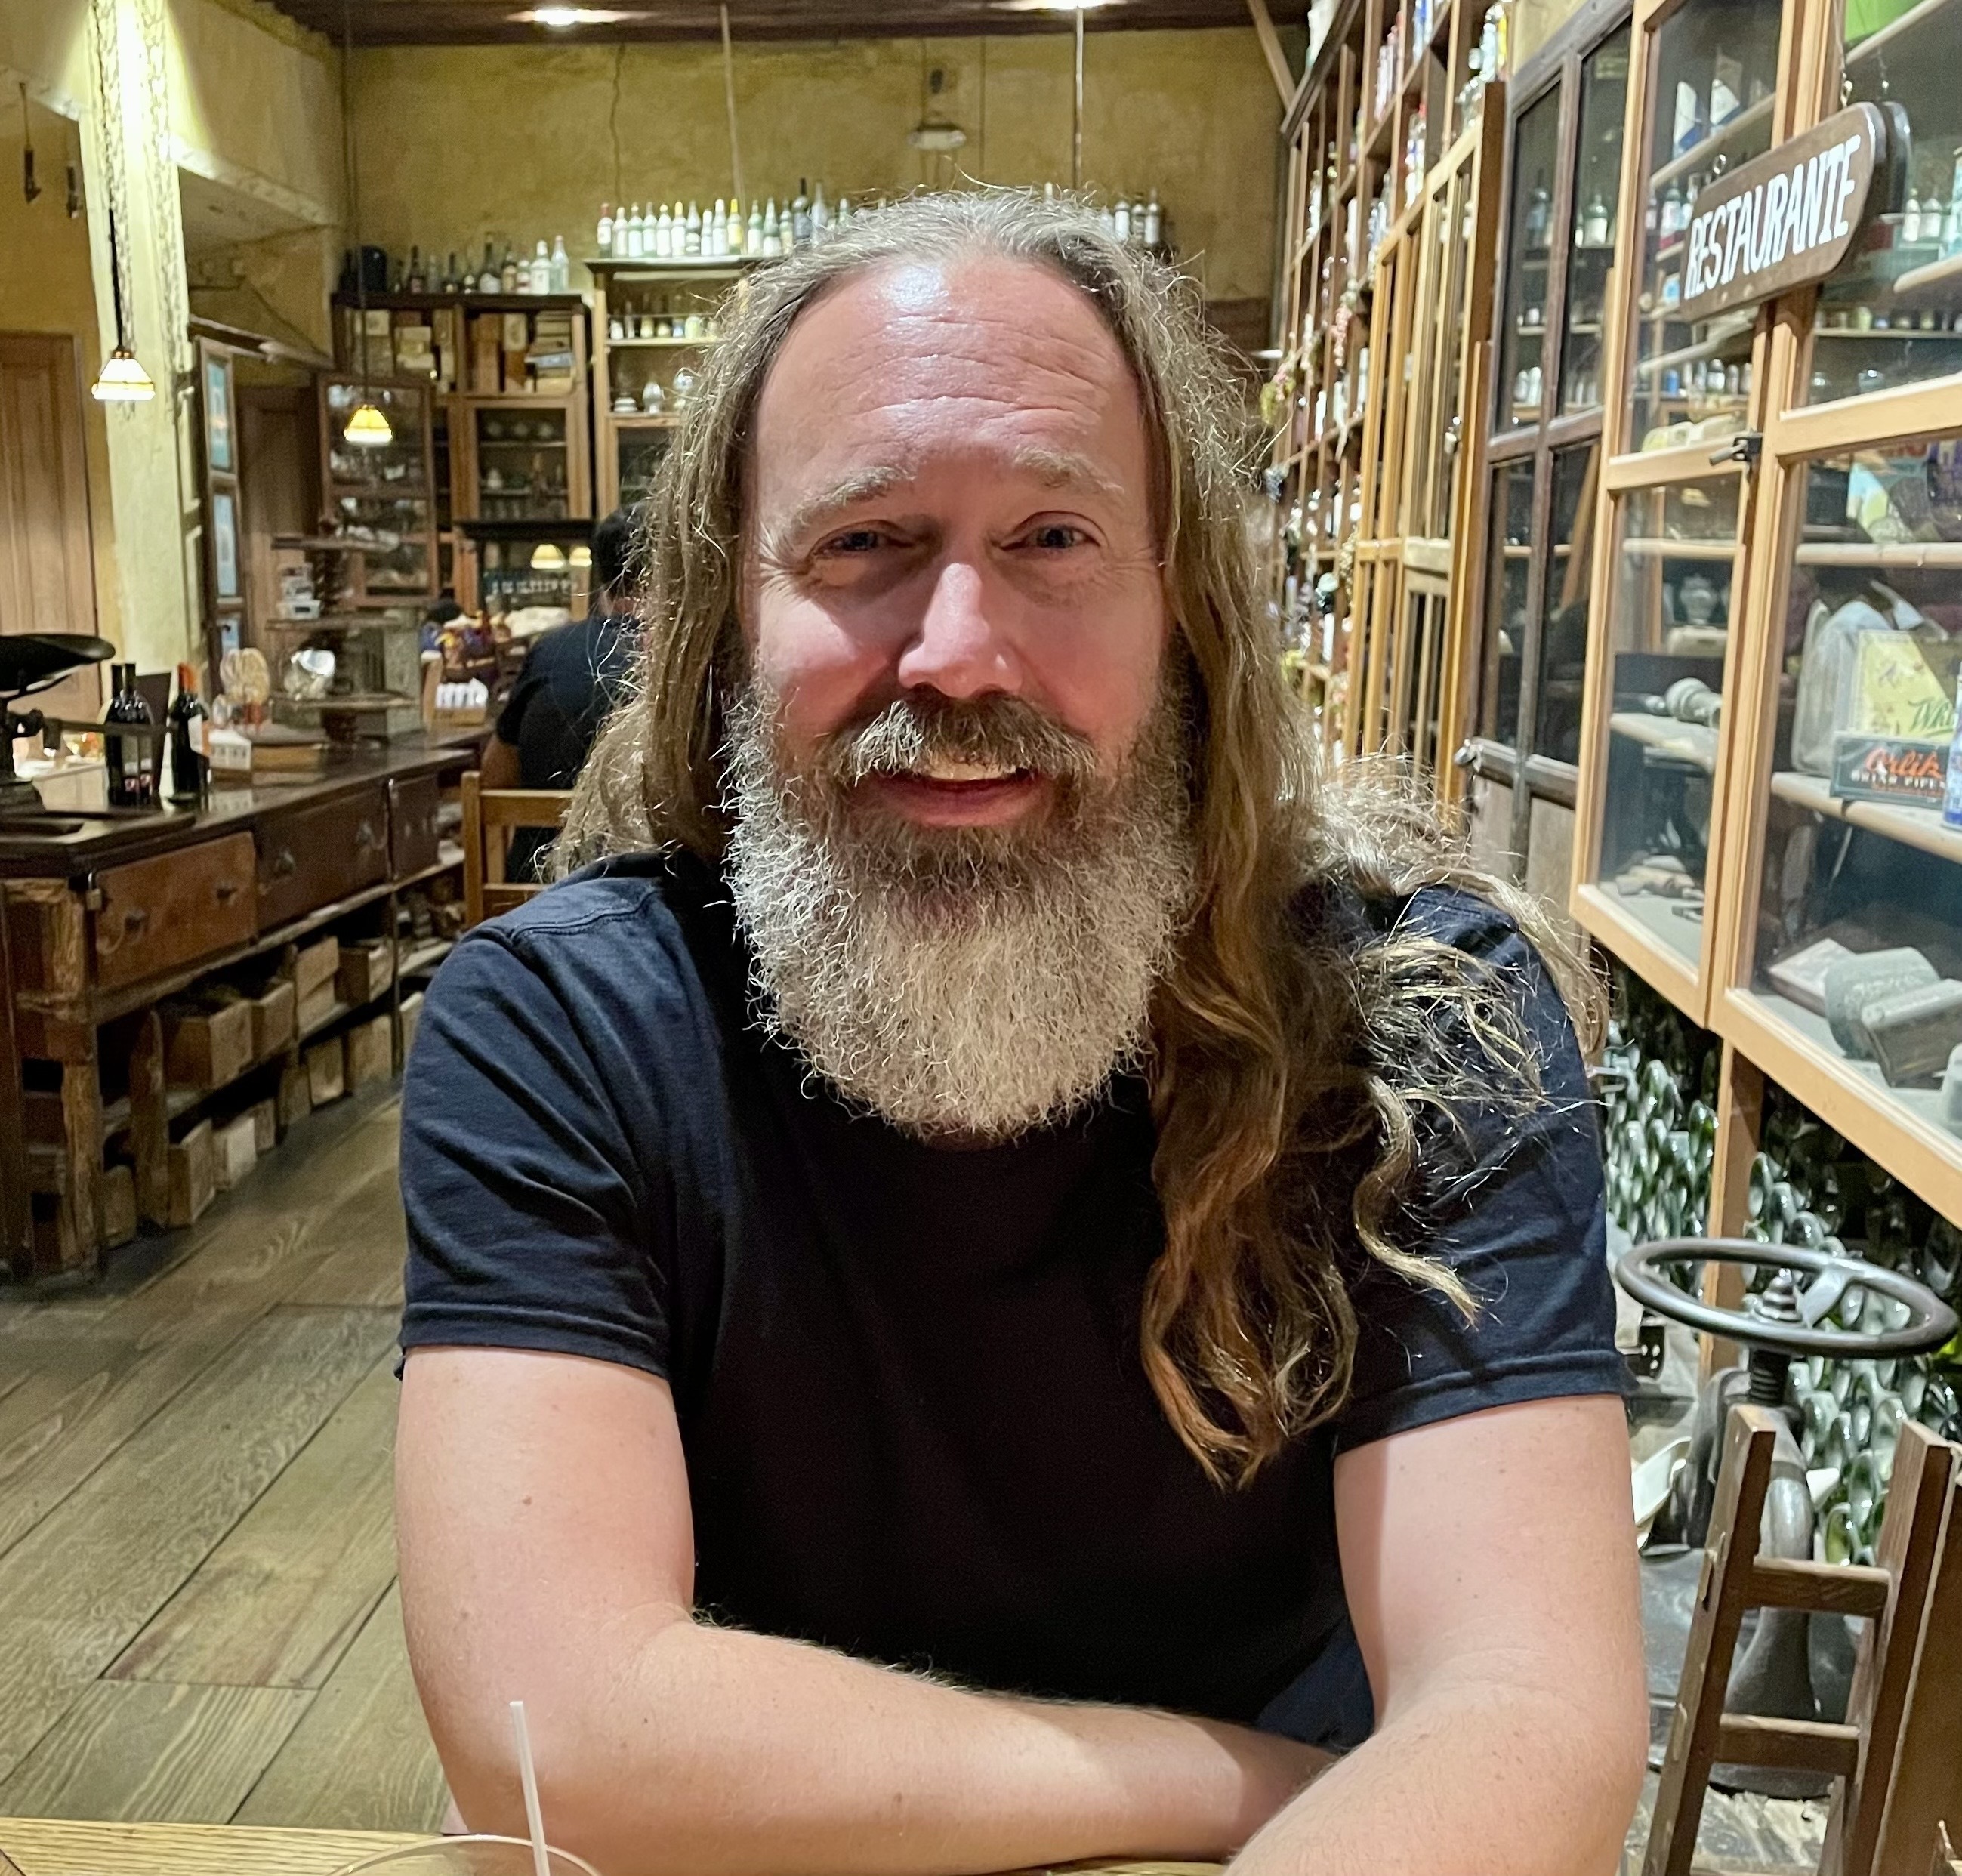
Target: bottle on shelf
692	238
1154	221
752	238
561	267
820	214
736	227
800	227
661	242
773	237
1120	220
1594	222
603	240
507	274
538	275
189	771
131	761
415	274
486	277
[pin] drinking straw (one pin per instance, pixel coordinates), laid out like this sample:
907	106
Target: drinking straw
527	1775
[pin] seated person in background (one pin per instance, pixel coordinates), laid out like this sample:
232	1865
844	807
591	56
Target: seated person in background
572	676
1015	1273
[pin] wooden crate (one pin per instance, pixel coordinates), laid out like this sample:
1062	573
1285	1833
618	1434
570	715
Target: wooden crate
238	1150
205	1048
327	1071
296	1096
275	1017
313	965
366	970
265	1125
191	1166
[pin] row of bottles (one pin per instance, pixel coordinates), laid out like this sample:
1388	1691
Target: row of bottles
547	270
134	762
670	231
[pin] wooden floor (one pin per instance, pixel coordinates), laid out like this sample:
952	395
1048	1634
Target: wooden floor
199	1619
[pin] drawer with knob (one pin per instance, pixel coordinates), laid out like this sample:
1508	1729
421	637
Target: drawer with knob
310	857
412	835
154	915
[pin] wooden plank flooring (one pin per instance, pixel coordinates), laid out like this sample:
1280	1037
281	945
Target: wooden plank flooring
197	1616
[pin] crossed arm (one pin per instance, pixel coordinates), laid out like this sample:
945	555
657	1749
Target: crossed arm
547	1552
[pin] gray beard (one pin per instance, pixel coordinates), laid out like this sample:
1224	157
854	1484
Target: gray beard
972	983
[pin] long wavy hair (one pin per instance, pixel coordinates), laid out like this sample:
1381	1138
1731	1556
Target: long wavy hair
1304	1059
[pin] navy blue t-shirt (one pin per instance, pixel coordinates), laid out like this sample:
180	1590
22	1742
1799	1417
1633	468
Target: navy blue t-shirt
916	1424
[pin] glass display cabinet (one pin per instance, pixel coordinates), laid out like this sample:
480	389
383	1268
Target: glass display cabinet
1770	824
1678	495
652	323
1382	136
381	495
1526	642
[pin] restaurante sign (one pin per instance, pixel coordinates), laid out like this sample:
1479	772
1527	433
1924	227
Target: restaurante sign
1786	218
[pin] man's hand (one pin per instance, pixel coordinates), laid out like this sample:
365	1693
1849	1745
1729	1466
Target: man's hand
1490	1565
548	1554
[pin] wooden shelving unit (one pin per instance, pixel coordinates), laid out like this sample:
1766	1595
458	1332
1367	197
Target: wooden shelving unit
630	443
1788	542
1383	137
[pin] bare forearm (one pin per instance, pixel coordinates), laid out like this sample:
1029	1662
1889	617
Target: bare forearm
716	1752
1471	1780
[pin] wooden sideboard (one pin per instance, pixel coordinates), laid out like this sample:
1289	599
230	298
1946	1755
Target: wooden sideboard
105	917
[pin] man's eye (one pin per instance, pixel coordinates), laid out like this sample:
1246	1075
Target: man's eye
854	541
1055	536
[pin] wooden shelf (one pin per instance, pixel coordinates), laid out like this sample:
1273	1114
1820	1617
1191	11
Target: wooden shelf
1922	828
1885	335
1645	546
425	958
642	345
1698	155
1936	274
1694	742
643	420
1905	553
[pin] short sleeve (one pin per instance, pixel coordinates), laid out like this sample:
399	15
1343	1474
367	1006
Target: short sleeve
1520	1218
530	1225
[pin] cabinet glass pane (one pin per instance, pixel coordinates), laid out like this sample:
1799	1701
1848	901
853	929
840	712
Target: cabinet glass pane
521	465
1563	631
1529	248
1597	182
1859	930
395	467
1716	69
1453	211
1892	315
639	453
1670	625
1509	556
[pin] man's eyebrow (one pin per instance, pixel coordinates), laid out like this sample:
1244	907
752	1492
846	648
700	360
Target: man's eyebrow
861	485
1064	469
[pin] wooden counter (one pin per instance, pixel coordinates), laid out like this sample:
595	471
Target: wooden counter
105	913
54	1846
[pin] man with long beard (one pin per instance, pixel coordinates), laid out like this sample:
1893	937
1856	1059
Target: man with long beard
1005	1276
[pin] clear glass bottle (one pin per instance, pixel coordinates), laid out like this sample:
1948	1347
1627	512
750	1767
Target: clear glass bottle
561	266
603	242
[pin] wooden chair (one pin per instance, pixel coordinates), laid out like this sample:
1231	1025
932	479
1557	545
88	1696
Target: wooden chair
1885	1724
490	815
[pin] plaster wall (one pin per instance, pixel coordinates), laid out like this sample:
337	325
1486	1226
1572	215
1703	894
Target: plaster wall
460	143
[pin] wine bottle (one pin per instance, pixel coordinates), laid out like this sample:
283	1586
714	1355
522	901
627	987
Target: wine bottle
131	760
190	772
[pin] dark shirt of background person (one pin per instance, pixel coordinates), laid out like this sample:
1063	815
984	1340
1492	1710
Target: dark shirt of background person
571	678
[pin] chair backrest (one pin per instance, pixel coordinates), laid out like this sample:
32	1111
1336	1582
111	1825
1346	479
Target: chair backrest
490	815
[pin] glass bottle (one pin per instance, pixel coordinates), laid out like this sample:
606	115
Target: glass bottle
189	771
486	277
538	278
752	241
1154	221
415	277
561	266
800	227
131	760
507	274
603	242
693	236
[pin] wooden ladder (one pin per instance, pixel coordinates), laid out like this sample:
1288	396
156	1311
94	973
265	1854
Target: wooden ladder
1894	1721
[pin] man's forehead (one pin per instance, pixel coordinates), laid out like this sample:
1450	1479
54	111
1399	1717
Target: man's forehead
905	366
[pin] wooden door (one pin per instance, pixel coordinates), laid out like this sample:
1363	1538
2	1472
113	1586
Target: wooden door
47	572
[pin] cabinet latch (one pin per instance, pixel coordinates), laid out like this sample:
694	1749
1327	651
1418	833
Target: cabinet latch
1746	447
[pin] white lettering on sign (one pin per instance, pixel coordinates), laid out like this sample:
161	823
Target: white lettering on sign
1784	217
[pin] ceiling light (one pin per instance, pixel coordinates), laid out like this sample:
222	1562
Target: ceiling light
122	380
559	18
548	557
368	429
581	556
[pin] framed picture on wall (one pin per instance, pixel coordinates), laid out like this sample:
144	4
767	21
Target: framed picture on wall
224	545
218	452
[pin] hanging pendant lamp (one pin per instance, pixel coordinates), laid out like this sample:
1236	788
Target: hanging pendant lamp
367	425
122	379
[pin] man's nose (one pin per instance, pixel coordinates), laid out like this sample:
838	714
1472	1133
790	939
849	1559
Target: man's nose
960	647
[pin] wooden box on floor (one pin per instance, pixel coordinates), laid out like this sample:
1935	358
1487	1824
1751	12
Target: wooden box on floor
326	1072
265	1125
370	1053
412	1014
274	1013
238	1150
365	970
192	1165
296	1096
207	1048
119	1205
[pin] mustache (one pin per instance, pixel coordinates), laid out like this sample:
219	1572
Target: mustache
912	731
